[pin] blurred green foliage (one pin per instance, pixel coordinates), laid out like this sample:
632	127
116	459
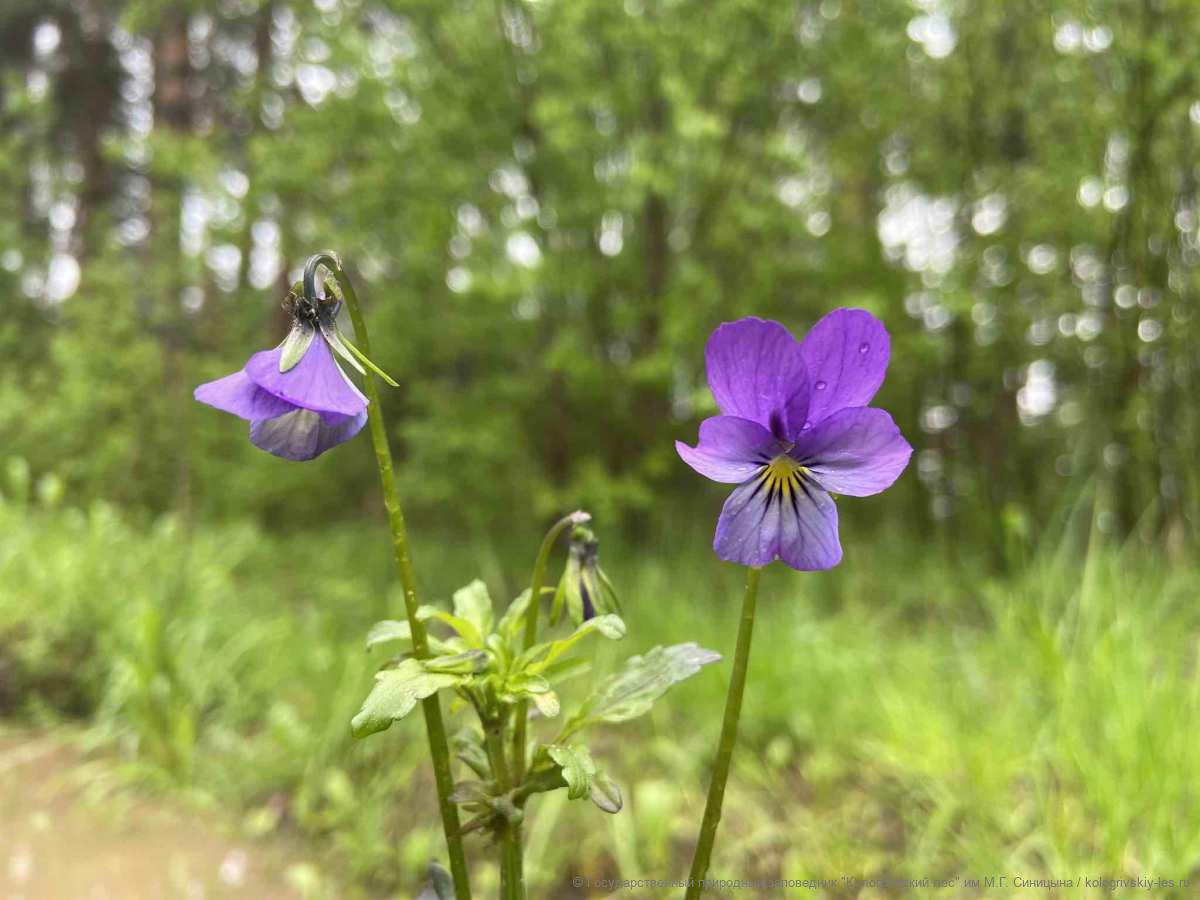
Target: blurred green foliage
549	205
1042	724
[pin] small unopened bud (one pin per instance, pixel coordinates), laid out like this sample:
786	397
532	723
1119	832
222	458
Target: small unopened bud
584	590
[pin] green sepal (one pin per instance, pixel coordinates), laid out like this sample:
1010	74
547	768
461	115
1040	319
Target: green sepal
632	690
333	338
295	345
391	382
577	766
395	693
603	594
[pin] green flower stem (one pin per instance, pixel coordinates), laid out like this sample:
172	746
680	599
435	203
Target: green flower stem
434	727
511	839
512	885
531	626
729	726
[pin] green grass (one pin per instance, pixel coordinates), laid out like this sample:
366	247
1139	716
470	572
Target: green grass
904	717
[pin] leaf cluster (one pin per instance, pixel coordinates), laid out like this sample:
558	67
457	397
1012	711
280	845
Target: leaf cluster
482	662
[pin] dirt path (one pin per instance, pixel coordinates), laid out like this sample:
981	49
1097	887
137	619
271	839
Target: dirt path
62	837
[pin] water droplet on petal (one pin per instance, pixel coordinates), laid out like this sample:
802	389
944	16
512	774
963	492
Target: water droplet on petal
864	347
806	426
821	385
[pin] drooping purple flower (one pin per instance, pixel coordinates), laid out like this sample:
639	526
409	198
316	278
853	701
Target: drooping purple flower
794	429
296	397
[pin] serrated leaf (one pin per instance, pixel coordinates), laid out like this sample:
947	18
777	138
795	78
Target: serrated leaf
631	692
577	766
395	693
474	604
539	657
464	627
295	345
605	793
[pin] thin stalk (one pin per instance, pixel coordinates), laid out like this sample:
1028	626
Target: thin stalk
531	627
435	729
511	882
512	836
729	726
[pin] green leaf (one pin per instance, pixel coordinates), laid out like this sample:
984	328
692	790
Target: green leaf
388	630
395	693
295	345
631	691
534	687
512	623
395	630
540	656
577	768
605	793
458	664
547	704
565	669
464	627
474	604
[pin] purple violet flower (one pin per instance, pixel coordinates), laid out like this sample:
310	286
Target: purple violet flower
296	397
795	428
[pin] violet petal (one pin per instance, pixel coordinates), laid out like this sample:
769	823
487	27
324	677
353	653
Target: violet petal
858	452
316	382
756	371
730	449
799	526
303	434
846	353
239	395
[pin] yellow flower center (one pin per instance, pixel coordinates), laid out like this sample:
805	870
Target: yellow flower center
783	475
